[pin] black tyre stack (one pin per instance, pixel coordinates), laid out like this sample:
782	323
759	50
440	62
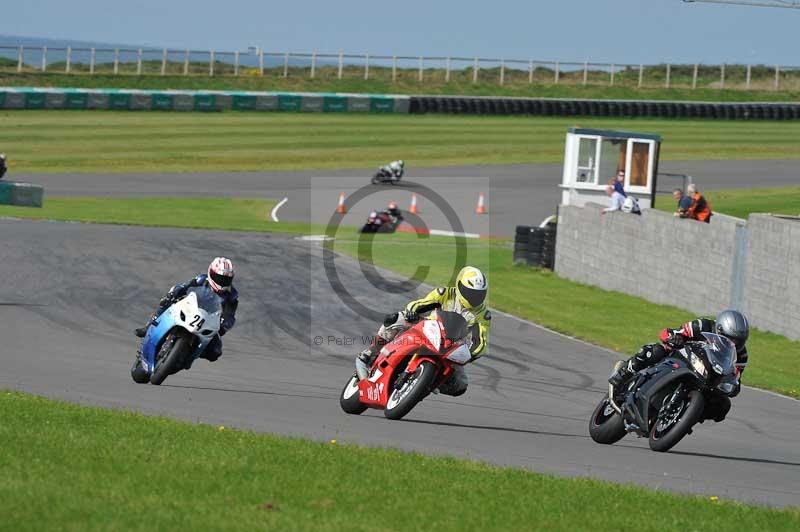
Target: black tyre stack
562	107
535	246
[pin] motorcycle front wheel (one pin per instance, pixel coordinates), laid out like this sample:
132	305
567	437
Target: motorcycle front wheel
170	357
415	389
606	426
349	400
376	180
669	430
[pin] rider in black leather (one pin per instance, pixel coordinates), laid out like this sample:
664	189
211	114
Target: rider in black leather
731	324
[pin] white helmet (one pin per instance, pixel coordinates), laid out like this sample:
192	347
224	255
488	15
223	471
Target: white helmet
220	274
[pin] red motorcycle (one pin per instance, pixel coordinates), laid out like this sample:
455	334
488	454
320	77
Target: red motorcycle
410	367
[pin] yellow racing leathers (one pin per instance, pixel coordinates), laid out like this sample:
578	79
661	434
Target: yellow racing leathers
446	298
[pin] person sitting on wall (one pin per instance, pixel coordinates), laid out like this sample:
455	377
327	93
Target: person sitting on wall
683	201
617	200
699	210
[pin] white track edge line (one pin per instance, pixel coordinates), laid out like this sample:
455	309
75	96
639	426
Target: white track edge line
274	213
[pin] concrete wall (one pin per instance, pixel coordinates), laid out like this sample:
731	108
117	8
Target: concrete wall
772	280
655	256
752	266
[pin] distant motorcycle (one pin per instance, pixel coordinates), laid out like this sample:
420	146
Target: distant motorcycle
381	222
178	336
663	402
384	175
410	367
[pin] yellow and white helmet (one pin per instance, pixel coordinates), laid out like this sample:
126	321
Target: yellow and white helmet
471	286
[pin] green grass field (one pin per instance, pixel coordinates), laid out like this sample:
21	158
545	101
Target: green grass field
106	141
741	203
69	467
537	295
516	83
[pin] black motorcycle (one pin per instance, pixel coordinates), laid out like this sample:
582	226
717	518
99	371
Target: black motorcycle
381	222
386	176
664	402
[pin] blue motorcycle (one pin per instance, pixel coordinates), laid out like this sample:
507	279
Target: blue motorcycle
178	336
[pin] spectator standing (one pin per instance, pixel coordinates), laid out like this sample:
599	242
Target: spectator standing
699	210
683	202
3	167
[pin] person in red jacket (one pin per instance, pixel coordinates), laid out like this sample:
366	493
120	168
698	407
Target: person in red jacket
731	324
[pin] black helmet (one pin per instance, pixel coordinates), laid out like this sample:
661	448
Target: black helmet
733	325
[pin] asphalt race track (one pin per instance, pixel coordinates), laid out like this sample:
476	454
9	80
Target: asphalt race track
72	293
516	194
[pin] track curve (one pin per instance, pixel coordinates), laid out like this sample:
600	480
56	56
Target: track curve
71	294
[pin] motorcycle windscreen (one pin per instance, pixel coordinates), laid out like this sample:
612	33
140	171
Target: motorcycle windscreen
455	326
721	353
207	299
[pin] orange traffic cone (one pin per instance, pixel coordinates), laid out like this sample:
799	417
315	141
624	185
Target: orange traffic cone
481	208
341	208
413	208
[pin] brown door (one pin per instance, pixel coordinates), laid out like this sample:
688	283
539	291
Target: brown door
640	162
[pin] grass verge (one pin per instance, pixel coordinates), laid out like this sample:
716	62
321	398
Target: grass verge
407	83
70	467
741	203
112	141
233	214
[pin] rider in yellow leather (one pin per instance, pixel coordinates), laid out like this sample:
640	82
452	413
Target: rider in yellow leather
467	297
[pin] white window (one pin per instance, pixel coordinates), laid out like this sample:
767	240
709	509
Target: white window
587	160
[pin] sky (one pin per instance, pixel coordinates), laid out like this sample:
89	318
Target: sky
619	31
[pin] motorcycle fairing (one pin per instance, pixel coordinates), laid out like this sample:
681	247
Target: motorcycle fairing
199	313
651	382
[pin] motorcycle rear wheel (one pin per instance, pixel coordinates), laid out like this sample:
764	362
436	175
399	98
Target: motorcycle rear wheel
349	400
606	426
415	389
664	441
172	361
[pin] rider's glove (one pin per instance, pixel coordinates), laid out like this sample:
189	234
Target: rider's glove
411	317
675	340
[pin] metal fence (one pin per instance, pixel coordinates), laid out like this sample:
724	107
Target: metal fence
392	68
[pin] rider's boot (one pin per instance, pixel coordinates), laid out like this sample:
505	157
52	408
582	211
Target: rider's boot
141	331
366	357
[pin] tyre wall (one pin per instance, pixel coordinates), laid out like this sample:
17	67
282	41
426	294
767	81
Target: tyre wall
624	108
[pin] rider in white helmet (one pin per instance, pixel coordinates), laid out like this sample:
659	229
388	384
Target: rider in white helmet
467	297
219	278
395	168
